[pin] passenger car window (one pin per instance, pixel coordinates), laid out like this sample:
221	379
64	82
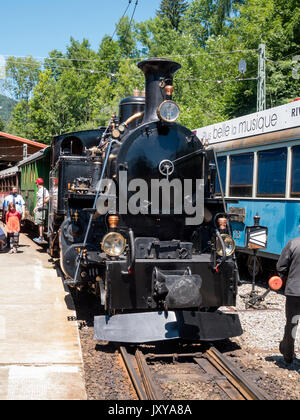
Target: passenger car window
295	188
241	175
272	172
222	170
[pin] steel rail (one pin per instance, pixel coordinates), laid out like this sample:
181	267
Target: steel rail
231	380
133	375
153	393
234	376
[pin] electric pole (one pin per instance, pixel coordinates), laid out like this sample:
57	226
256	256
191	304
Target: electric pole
261	79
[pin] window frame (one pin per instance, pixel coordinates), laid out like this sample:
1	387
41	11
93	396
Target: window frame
230	186
218	193
293	194
272	195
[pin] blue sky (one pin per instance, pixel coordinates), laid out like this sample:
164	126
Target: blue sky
35	27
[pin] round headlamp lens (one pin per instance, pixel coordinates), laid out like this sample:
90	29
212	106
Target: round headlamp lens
113	244
229	245
168	111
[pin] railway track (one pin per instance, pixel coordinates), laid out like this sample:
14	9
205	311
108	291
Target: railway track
211	364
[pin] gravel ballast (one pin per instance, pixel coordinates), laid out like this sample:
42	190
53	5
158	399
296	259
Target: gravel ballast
255	353
263	329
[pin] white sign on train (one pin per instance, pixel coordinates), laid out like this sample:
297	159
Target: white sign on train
273	119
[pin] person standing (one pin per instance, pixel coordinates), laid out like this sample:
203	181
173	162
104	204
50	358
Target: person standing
13	218
42	198
288	267
18	201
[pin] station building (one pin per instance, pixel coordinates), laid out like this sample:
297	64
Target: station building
14	148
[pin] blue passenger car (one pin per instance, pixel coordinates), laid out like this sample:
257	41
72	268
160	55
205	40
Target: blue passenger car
260	175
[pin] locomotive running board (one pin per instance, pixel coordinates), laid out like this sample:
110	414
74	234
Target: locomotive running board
158	326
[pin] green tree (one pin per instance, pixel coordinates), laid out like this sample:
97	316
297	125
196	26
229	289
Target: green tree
110	54
81	88
2	125
126	38
198	20
275	23
22	75
173	10
223	9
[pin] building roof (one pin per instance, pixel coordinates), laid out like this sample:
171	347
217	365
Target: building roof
7	136
10	171
36	156
12	149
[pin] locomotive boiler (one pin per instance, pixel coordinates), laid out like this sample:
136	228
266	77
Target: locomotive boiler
134	217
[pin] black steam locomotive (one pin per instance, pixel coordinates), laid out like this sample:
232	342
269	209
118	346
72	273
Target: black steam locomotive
135	219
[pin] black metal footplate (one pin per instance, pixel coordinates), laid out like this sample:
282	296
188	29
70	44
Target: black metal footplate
158	326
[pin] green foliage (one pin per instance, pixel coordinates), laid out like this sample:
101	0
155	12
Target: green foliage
173	10
22	75
266	21
81	88
6	107
126	38
2	125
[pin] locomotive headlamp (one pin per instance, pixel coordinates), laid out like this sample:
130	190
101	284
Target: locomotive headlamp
229	245
168	111
113	244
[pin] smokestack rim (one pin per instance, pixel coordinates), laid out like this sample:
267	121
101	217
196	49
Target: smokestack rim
172	66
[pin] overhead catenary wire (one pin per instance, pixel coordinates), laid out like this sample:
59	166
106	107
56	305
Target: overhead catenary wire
48	64
217	80
129	26
92	71
95	71
204	53
116	28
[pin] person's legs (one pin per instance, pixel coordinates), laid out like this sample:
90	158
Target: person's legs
10	242
39	221
292	311
16	241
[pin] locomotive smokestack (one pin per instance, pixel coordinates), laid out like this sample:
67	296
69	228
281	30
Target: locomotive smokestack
158	72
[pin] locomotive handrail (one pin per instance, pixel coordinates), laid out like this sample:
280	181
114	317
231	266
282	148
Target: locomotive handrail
132	250
188	156
213	150
105	131
223	249
131	259
94	206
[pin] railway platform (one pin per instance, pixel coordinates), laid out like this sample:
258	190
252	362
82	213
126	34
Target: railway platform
40	351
